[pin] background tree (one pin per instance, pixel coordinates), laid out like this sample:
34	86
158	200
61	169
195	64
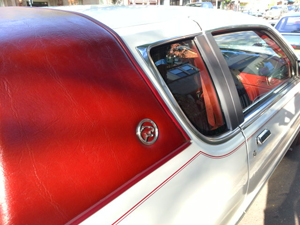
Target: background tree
227	4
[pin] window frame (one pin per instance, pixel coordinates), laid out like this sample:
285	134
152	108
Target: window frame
193	104
223	82
232	125
246	109
257	108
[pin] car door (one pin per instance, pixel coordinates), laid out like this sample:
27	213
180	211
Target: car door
264	73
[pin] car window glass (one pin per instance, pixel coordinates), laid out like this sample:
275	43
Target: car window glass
186	76
256	62
289	25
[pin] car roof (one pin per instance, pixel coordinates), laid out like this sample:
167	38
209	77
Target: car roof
292	14
140	25
126	16
164	20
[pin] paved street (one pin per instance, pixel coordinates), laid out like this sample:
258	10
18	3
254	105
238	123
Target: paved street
279	200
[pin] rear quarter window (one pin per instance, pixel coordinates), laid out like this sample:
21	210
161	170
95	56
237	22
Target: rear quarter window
185	74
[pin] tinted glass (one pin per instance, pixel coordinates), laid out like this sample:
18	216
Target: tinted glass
186	76
256	62
289	25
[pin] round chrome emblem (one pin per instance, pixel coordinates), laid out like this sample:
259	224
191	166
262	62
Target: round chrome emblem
147	132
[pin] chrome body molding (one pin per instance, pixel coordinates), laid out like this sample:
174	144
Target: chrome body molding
259	108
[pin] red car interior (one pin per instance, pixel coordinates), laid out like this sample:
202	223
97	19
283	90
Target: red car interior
257	85
213	110
71	99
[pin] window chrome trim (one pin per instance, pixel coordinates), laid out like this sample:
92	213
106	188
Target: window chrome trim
144	52
265	105
228	29
260	101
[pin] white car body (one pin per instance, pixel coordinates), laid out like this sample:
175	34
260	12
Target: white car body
275	12
214	178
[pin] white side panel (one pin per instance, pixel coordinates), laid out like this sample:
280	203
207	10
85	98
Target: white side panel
195	187
282	122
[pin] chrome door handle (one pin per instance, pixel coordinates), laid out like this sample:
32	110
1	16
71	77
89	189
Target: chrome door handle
263	136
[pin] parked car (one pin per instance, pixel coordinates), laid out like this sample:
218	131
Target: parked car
140	115
292	8
258	12
275	12
143	2
201	4
289	27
